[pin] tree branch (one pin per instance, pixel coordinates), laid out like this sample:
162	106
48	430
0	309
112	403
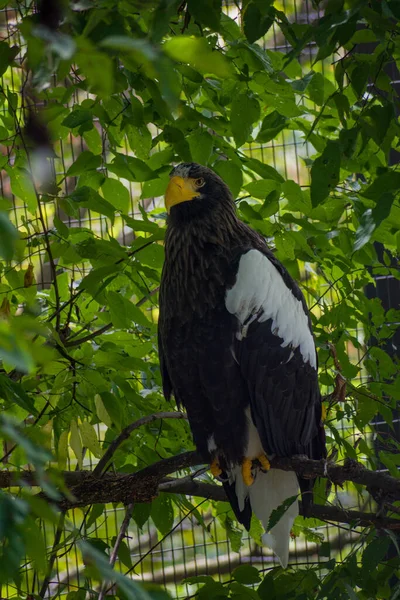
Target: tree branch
144	485
114	553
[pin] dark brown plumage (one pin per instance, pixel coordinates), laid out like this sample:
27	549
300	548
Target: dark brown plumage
213	365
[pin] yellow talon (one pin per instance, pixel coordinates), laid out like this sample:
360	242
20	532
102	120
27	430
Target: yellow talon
266	465
215	468
246	471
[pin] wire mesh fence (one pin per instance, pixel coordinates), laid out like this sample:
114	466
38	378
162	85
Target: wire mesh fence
197	544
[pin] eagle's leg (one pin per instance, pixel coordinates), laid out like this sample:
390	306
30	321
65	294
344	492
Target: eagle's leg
215	468
247	465
264	462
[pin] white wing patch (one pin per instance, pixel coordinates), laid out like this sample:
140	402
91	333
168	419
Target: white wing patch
259	288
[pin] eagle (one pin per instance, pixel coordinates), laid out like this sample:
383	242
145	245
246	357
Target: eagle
237	351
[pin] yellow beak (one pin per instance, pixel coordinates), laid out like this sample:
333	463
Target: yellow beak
179	190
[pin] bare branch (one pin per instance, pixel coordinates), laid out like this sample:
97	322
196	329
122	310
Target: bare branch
90	336
114	553
57	538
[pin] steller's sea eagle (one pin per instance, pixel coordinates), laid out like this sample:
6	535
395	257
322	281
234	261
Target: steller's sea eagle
237	351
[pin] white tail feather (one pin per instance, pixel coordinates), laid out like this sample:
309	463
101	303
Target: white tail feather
269	491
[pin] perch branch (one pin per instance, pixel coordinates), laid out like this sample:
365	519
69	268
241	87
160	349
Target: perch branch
87	488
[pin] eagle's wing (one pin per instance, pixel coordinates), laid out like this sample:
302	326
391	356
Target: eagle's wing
274	347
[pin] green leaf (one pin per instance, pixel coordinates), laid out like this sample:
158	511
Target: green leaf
207	12
101	412
262	188
130	168
373	554
123	312
244	593
22	187
285	245
201	145
152	255
116	194
102	274
93	140
7	55
114	408
77	117
229	28
257	20
124	554
95	513
76	442
35	546
325	173
8	237
272	124
359	77
140	140
246	574
234	534
62	449
89	198
14	391
155	187
316	89
89	438
389	181
97	68
244	112
365	230
278	513
297	200
265	171
85	162
162	513
141	513
231	174
128	586
199	54
141	225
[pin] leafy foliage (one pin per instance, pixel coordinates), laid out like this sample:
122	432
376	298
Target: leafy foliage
110	94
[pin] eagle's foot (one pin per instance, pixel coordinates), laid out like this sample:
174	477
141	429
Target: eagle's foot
215	468
264	462
247	476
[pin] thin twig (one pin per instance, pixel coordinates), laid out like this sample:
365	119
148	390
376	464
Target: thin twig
37	419
114	553
90	336
108	326
53	556
126	432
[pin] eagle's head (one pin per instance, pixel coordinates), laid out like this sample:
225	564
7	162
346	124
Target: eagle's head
196	192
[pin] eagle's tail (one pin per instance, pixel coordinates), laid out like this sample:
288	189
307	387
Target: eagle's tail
268	492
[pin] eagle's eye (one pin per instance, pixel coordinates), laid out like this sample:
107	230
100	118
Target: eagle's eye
199	182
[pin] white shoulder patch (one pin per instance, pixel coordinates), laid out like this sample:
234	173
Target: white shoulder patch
260	287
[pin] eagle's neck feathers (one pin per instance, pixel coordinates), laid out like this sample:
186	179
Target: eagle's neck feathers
200	258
